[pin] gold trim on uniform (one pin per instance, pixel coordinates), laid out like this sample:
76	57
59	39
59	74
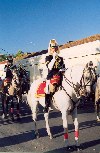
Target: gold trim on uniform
56	64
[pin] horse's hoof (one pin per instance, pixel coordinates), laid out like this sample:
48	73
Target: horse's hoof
18	118
51	136
70	148
12	118
7	115
37	135
3	116
78	148
98	120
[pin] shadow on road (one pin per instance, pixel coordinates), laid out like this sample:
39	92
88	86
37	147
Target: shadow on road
84	147
17	139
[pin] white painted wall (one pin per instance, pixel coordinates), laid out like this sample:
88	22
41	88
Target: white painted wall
2	73
79	51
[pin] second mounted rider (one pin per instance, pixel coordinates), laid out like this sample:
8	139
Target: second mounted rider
10	60
8	77
24	80
8	70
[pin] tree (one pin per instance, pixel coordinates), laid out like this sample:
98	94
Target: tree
19	54
3	57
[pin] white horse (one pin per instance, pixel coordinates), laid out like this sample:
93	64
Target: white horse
62	100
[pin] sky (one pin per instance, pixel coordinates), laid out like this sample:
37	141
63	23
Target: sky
28	25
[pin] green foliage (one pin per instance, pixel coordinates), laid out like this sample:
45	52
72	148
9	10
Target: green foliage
19	53
3	57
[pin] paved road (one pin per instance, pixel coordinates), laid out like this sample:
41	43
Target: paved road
19	136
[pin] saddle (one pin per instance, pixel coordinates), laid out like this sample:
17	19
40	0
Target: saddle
40	92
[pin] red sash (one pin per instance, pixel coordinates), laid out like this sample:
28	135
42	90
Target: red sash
7	80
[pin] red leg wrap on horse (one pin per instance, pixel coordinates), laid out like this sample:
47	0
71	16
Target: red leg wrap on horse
77	134
65	135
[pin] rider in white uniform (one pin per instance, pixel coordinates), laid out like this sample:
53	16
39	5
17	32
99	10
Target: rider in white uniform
54	64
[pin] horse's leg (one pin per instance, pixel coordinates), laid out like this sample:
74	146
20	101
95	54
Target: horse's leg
18	108
97	111
3	99
34	117
65	126
5	102
18	99
12	108
76	132
46	116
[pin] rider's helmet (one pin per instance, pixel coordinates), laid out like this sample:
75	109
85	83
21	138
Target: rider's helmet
10	59
53	43
90	64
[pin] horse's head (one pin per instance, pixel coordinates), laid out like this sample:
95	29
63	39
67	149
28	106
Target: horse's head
79	90
88	79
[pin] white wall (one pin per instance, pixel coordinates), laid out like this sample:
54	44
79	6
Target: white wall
2	73
80	51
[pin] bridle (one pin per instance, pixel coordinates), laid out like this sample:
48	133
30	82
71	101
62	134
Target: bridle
91	78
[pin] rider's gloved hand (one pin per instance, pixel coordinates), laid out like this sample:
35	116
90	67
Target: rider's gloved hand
50	65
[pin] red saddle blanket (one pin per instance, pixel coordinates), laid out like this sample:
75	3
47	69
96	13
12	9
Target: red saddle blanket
40	92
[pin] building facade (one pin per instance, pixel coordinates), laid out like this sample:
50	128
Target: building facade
75	53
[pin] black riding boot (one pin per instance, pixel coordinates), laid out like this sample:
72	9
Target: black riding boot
47	102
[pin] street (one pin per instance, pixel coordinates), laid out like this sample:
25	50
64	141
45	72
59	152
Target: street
18	136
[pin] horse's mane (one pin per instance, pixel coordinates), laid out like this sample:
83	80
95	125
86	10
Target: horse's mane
74	74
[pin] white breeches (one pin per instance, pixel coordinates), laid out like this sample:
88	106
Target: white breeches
47	91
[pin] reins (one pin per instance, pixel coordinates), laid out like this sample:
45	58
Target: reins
72	85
